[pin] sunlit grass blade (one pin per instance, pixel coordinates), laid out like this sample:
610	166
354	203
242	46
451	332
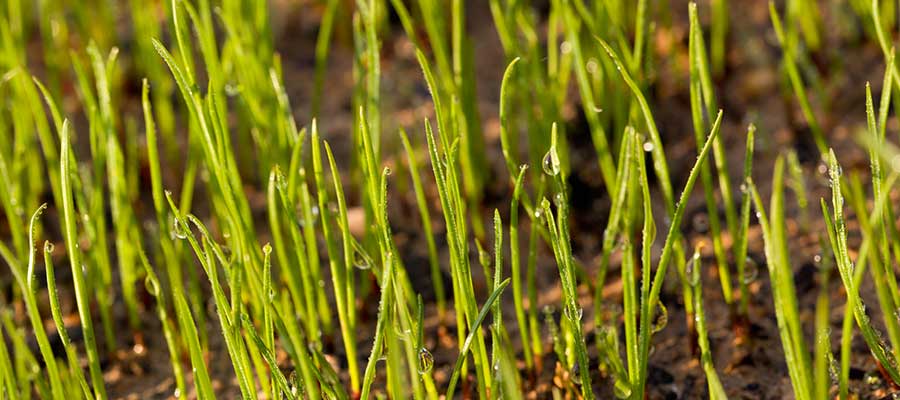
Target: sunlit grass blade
837	233
475	330
714	385
790	66
650	301
71	237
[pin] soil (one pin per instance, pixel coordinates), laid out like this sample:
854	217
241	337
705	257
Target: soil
750	90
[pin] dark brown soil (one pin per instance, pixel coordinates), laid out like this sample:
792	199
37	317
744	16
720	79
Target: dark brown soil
751	90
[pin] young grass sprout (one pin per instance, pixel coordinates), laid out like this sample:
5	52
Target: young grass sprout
254	242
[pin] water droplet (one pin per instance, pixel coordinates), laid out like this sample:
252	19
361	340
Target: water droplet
558	199
361	260
545	204
700	222
551	162
751	270
692	272
745	187
538	213
835	172
178	230
565	47
48	247
573	313
152	285
622	389
426	361
484	257
177	393
648	146
267	249
817	259
592	66
387	171
661	318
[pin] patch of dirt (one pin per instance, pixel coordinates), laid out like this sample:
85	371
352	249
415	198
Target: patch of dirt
751	90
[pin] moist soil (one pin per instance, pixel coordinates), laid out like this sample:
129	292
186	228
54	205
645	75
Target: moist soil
748	356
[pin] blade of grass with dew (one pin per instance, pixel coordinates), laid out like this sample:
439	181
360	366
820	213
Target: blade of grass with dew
99	269
189	334
617	215
655	143
474	331
507	384
338	271
384	307
56	313
714	385
274	200
650	301
697	52
233	341
630	306
881	271
838	235
437	279
154	288
25	279
699	60
444	169
783	290
296	269
743	231
516	269
822	353
71	237
126	234
341	278
562	250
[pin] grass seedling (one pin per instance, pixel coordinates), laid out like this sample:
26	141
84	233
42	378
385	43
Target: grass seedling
790	66
702	100
650	292
81	289
558	227
25	280
745	266
654	143
713	384
433	261
837	233
719	35
795	351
